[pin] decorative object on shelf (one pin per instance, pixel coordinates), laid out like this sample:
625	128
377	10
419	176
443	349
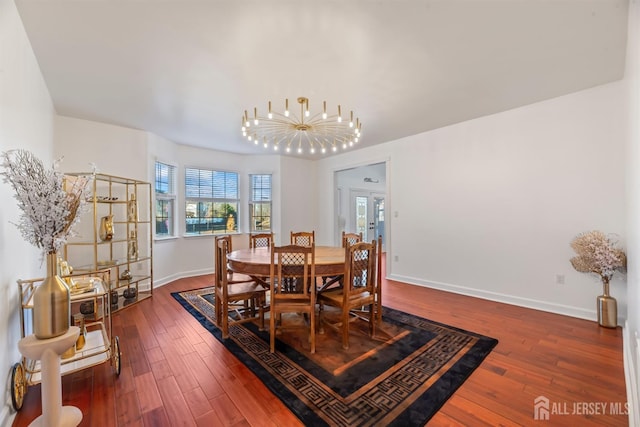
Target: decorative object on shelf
87	307
599	254
106	228
105	199
132	249
82	338
287	131
113	295
64	270
130	293
126	275
132	208
50	204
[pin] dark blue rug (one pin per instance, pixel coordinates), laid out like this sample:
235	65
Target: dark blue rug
400	378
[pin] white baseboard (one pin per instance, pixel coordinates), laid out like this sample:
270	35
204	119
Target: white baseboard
184	274
631	356
566	310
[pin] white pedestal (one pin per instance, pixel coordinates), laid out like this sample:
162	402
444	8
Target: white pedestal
48	352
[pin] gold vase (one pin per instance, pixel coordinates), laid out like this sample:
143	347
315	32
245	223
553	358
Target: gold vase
607	307
51	303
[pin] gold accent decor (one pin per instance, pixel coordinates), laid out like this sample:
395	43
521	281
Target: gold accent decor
607	307
313	131
51	303
106	228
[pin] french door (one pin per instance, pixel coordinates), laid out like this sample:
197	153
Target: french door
368	214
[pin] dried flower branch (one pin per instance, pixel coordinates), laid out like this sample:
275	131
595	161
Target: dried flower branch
50	203
597	253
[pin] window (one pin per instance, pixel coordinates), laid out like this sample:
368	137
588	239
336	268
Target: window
211	201
260	202
165	199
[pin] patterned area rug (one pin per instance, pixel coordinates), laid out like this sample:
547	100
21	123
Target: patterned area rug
401	377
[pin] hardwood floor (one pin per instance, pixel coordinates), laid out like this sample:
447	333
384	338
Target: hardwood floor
175	373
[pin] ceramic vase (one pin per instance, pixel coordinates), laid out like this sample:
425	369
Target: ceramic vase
607	307
51	303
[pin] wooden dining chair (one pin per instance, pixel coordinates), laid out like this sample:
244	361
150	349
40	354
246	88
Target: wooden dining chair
260	240
351	238
292	273
231	276
378	304
303	238
236	302
358	291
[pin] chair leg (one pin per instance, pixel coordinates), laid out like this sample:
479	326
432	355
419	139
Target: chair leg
218	309
272	331
345	328
225	319
320	318
262	303
312	329
372	320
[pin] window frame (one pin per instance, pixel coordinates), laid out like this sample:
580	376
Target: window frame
211	225
170	196
253	202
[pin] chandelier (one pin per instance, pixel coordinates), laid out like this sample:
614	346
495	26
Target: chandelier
311	131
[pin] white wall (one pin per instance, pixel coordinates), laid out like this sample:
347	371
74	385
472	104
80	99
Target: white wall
488	207
632	330
26	121
115	150
299	209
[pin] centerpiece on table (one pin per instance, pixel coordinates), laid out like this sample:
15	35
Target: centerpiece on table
50	205
598	253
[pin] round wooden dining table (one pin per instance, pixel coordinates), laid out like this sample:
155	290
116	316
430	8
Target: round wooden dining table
257	261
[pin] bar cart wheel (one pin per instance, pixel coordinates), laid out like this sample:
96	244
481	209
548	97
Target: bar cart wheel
19	389
116	360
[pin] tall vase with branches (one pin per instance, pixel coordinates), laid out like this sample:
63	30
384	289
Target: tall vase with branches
50	206
598	254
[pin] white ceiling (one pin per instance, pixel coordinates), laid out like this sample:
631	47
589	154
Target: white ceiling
186	70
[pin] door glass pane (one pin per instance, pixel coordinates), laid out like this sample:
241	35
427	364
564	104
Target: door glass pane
378	214
361	216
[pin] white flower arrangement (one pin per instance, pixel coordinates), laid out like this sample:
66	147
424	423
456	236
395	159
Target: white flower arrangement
50	203
599	254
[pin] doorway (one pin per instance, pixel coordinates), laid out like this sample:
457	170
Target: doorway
360	201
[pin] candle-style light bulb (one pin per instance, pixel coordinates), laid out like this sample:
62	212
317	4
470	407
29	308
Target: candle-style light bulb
286	107
270	115
324	109
339	115
255	116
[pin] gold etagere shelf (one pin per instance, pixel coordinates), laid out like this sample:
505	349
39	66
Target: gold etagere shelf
117	237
